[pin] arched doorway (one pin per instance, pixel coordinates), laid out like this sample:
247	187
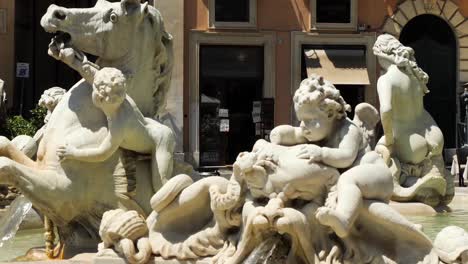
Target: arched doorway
435	49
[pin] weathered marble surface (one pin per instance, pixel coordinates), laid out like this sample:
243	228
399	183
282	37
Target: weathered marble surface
126	35
319	185
412	144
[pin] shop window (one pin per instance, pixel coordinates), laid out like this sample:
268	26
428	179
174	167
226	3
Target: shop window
233	14
231	80
334	14
343	65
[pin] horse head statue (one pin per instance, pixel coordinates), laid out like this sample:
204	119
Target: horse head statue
126	35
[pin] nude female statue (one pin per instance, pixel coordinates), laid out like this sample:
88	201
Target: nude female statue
412	142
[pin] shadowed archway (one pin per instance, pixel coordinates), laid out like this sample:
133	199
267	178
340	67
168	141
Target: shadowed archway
435	46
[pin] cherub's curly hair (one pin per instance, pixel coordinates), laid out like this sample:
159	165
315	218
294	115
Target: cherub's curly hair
322	92
389	47
112	78
51	97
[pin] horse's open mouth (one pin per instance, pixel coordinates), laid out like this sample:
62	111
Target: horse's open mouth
62	39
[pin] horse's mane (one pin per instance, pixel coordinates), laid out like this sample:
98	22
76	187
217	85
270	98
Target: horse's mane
163	62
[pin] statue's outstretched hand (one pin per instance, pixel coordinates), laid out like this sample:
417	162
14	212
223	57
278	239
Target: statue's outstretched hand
65	54
54	50
311	152
68	55
65	152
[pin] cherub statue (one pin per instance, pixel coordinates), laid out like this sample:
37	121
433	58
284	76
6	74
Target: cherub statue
332	139
128	128
412	143
49	100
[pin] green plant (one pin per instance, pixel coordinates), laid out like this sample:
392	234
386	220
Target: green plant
37	116
18	125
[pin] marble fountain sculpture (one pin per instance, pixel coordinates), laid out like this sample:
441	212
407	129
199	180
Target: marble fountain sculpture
412	144
316	193
130	38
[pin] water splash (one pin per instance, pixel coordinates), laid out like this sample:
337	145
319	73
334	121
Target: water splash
10	222
272	250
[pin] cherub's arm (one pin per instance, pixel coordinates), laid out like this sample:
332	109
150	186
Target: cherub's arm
78	61
385	97
346	151
108	146
287	135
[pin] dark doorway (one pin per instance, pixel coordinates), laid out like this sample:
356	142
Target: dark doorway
231	79
31	44
353	95
435	48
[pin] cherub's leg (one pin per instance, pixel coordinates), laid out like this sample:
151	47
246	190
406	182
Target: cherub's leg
342	217
366	181
162	157
7	149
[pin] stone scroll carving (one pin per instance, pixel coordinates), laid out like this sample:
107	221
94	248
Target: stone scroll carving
315	194
412	143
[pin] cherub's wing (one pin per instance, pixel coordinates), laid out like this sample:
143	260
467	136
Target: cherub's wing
366	118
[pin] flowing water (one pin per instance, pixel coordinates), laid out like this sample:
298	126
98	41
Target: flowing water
26	239
13	242
11	220
458	217
21	243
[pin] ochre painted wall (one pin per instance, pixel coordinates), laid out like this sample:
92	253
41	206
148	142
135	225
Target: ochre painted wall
7	49
463	5
374	12
283	17
279	16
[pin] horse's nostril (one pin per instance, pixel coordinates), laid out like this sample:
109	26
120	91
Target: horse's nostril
59	15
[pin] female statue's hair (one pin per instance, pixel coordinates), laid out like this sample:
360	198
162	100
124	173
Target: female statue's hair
387	46
317	90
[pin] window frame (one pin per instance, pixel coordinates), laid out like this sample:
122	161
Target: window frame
198	38
367	39
351	26
252	23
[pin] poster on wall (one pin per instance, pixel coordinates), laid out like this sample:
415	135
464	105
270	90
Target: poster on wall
22	70
224	125
223	112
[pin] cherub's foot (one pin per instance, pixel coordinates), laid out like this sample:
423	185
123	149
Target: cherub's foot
331	218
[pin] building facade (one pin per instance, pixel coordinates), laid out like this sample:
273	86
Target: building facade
244	57
238	63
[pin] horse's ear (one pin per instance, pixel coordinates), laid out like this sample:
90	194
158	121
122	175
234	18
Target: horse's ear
130	6
144	9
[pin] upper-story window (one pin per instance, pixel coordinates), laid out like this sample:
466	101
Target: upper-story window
233	13
334	14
